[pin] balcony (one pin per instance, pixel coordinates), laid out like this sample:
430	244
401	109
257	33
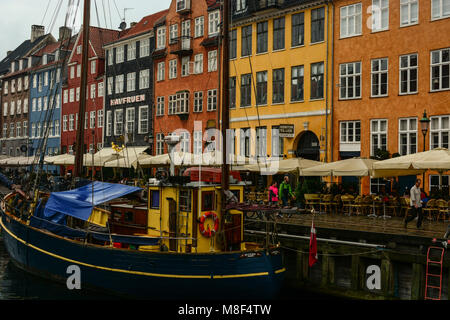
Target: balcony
181	46
269	4
183	6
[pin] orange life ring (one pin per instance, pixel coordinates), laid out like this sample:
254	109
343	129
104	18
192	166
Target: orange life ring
208	232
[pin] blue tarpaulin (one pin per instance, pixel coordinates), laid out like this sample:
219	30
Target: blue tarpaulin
79	202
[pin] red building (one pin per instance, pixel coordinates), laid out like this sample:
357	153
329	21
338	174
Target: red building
186	62
94	118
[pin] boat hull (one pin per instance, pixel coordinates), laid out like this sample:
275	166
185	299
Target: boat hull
139	274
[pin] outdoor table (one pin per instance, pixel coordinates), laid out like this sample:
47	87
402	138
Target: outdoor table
384	216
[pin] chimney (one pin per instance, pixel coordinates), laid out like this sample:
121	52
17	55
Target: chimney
8	52
133	24
64	33
36	32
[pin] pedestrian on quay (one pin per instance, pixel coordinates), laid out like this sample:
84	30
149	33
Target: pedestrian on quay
416	205
285	192
273	193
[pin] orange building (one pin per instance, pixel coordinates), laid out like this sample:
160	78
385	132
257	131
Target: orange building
186	61
391	62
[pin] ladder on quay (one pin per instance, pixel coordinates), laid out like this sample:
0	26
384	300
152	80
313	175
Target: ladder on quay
435	257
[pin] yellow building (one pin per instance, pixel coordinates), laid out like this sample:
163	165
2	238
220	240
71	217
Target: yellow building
280	78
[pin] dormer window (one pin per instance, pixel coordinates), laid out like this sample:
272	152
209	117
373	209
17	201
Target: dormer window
44	59
183	5
20	64
241	5
13	66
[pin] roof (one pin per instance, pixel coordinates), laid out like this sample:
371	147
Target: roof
145	25
213	4
99	37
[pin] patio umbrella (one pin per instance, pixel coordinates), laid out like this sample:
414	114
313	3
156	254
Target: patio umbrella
62	159
274	166
350	167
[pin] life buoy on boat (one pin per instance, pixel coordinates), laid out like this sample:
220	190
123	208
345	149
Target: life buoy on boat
208	232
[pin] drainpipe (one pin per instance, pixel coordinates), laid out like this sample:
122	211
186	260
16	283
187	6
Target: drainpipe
332	82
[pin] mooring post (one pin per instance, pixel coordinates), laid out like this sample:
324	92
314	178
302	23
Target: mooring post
387	277
417	282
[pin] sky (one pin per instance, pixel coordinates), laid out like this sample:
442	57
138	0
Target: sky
19	15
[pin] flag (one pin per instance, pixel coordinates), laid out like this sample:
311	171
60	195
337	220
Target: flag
313	258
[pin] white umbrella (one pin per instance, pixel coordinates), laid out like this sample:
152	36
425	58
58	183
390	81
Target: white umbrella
350	167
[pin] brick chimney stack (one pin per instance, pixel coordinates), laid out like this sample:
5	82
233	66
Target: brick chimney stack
64	33
36	32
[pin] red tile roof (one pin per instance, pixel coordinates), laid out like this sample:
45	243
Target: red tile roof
146	24
99	37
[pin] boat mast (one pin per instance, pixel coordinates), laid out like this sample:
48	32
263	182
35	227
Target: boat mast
79	146
225	96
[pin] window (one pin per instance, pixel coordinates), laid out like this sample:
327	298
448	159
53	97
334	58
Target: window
172	109
5	87
108	123
100	119
317	24
214	20
199	27
297	82
233	44
261	142
407	135
232	89
85	120
160	106
159	143
262	37
198	63
408	73
380	77
435	183
78	94
184	66
72	72
119	83
25	104
440	9
71	122
173	33
244	137
13	108
212	100
110	85
298	29
93	89
350	131
39	106
161	38
198	101
261	88
19	107
5	109
110	57
154	199
11	129
376	185
172	69
5	130
92	120
351	20
277	143
380	15
409	12
118	119
246	90
25	128
120	54
131	52
317	80
246	45
278	33
64	124
440	69
198	142
131	81
350	80
212	61
440	131
144	50
378	135
144	79
79	71
79	49
278	86
130	118
184	144
182	104
18	129
241	5
100	89
19	83
93	66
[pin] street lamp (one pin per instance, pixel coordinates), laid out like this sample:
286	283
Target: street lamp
424	125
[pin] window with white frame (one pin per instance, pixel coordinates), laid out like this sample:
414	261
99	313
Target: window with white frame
380	15
19	107
408	73
65	99
64	124
241	5
33	105
213	24
93	90
118	122
77	94
92	120
93	66
71	122
351	20
261	142
11	129
45	81
185	66
19	84
131	51
182	102
173	31
119	83
198	142
13	108
109	123
131	81
72	72
378	134
350	131
79	71
184	145
39	106
159	143
439	131
5	86
100	119
407	135
45	103
409	12
245	140
110	85
25	104
144	79
379	73
130	118
199	27
212	60
440	69
18	129
161	71
161	38
198	101
277	143
110	57
198	63
143	119
212	100
25	128
100	89
440	9
160	106
5	130
5	109
120	54
438	182
144	50
71	95
172	108
25	83
173	69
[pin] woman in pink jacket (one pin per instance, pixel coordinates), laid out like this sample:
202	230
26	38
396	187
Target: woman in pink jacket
273	193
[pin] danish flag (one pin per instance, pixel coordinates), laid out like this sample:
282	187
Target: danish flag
313	257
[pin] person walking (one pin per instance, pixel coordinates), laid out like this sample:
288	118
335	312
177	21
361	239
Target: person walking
416	205
286	191
273	193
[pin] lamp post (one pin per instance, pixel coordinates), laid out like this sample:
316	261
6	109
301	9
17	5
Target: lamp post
424	125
